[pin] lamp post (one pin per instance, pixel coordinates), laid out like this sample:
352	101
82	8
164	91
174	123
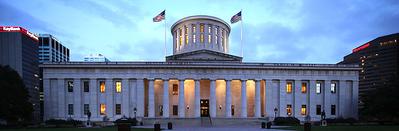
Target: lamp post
135	111
275	112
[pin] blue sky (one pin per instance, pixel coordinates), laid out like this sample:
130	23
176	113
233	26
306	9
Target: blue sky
292	31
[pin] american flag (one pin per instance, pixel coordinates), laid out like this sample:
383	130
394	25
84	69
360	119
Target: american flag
159	17
236	18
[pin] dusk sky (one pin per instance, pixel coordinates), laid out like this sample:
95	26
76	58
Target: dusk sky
292	31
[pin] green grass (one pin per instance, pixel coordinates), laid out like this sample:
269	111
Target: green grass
75	129
346	128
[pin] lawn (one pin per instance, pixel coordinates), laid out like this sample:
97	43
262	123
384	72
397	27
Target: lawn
75	129
346	128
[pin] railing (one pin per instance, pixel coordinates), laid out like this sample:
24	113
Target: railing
204	64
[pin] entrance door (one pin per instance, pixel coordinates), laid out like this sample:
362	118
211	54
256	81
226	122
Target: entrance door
204	107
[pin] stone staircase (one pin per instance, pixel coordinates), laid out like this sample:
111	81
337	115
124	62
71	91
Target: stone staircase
204	121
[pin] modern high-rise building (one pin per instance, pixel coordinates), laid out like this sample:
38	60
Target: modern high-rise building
96	58
51	50
378	59
19	49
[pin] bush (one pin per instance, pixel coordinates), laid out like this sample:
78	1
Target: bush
342	120
286	121
132	121
61	123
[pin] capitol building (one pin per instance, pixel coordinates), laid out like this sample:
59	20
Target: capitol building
200	79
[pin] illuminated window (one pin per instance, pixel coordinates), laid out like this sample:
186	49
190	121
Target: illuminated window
318	109
289	110
318	88
303	88
216	30
289	87
216	39
177	40
194	28
118	86
86	86
209	29
102	86
303	110
70	86
202	38
175	89
333	109
194	39
86	109
333	87
70	109
201	28
209	39
102	109
118	109
180	37
186	35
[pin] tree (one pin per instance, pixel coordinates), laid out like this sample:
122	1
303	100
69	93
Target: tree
15	107
382	103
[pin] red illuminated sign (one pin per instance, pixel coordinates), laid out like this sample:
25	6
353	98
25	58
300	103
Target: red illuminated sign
19	29
361	47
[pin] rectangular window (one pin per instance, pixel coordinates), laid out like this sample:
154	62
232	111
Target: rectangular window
318	109
303	88
202	38
201	28
194	39
186	35
177	40
180	37
175	89
216	30
70	86
102	86
318	88
70	109
194	29
86	86
289	87
209	29
175	110
118	109
102	109
222	37
86	109
209	39
303	110
333	87
289	110
333	109
118	86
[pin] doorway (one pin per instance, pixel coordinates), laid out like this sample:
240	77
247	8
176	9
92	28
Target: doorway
204	107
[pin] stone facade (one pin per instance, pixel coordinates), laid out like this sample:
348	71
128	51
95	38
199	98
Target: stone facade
199	83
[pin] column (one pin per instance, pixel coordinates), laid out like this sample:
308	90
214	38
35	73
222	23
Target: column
270	105
140	97
244	98
93	98
283	104
109	91
197	99
212	103
166	98
228	98
61	98
47	98
125	97
312	98
355	96
257	98
296	110
77	94
151	110
341	98
327	100
181	99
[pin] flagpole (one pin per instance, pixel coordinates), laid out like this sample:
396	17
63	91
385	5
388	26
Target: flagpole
165	35
242	51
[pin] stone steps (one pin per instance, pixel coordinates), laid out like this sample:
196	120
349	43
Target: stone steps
204	121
